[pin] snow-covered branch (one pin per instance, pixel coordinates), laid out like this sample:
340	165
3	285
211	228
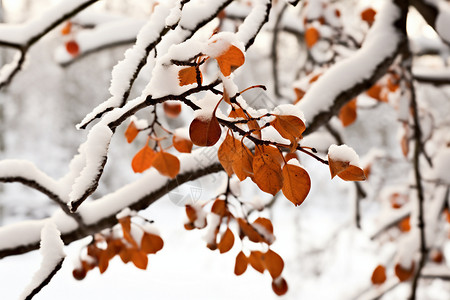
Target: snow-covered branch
437	15
23	36
383	43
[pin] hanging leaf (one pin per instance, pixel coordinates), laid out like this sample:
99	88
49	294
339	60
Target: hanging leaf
312	35
279	286
402	273
249	231
131	132
66	29
151	243
205	132
189	76
242	161
296	183
125	255
289	127
72	48
379	275
103	261
191	213
345	171
405	224
272	151
348	113
256	261
219	207
230	60
227	241
265	223
171	109
181	144
143	159
226	153
267	173
368	15
273	263
241	264
375	92
167	164
139	259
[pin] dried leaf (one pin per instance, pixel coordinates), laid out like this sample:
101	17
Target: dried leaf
103	261
273	263
312	35
256	261
265	223
348	113
296	183
151	243
242	161
249	231
289	127
405	224
345	171
139	259
143	159
241	264
267	173
374	92
66	29
230	60
125	255
191	213
205	132
402	273
181	144
272	151
72	48
189	76
131	132
219	207
368	15
299	93
167	164
172	110
227	241
279	286
226	153
379	275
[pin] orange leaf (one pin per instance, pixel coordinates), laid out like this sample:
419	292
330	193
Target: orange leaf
72	48
368	15
181	144
191	213
219	207
256	261
265	223
143	159
172	110
299	93
242	161
125	255
267	173
241	264
402	273
345	171
205	132
131	132
139	259
227	241
296	183
273	263
230	60
103	261
167	164
189	75
405	225
312	35
272	151
65	30
125	223
437	256
151	243
249	231
289	127
79	274
347	114
226	153
374	92
379	275
279	286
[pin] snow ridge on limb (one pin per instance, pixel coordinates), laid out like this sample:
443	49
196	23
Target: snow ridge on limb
23	36
100	214
383	43
437	15
253	23
52	251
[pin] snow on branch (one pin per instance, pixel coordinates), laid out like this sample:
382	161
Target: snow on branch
100	214
437	15
52	251
332	90
23	36
254	22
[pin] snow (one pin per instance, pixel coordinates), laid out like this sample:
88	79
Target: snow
441	165
7	69
343	153
443	21
52	251
248	29
196	11
381	42
289	110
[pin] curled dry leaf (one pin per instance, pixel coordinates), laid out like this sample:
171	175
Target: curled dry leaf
267	173
181	144
172	110
143	159
312	35
226	242
230	60
131	132
189	76
348	113
205	132
296	183
402	273
241	264
379	275
167	164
